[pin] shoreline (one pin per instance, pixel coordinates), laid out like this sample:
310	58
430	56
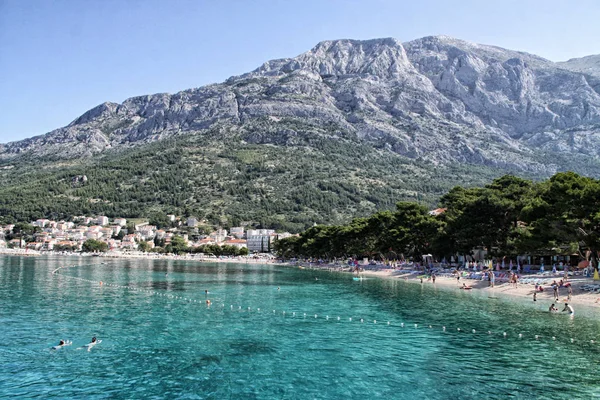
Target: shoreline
523	292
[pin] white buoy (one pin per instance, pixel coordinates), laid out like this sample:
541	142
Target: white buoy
591	341
504	334
553	337
458	329
304	315
430	326
536	337
239	307
473	330
284	313
402	324
273	311
374	321
258	309
416	326
520	335
231	306
444	328
350	318
327	317
315	315
572	340
388	322
248	308
361	320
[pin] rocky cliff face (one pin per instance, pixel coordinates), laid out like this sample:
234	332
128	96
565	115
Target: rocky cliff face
438	98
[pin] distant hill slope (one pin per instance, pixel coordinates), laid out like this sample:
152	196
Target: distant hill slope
341	130
586	65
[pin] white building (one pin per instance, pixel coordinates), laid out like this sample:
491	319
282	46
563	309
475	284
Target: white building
102	220
238	232
120	221
258	243
193	222
40	222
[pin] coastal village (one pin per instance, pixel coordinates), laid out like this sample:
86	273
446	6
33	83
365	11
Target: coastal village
124	236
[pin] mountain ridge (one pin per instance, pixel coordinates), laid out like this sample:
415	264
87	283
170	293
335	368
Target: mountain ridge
441	106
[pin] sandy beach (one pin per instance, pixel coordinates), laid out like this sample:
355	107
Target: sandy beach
523	291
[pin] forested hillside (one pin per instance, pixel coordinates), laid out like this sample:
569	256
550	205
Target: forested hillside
225	179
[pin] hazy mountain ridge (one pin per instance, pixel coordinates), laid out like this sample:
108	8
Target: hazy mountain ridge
437	97
586	65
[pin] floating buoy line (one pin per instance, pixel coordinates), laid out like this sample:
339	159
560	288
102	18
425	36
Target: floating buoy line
311	316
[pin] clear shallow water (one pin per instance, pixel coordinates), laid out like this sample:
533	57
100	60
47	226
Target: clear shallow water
156	346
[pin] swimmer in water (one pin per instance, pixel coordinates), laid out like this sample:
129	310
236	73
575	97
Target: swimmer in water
206	292
568	309
277	287
552	308
208	302
94	340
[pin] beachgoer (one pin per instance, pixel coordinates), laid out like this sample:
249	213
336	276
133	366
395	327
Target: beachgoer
421	279
552	308
208	302
534	296
569	292
555	287
465	287
206	292
568	309
277	287
94	339
61	343
433	278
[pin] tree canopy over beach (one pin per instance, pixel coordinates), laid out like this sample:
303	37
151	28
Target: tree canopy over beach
509	216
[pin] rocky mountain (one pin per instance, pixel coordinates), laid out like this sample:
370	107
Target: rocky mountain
344	129
437	97
586	65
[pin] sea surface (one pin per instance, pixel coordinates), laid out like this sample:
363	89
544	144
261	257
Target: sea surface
272	332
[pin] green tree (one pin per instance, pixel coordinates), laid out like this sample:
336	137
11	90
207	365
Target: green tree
93	245
179	245
144	246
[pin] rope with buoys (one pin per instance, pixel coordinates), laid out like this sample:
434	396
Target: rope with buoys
294	314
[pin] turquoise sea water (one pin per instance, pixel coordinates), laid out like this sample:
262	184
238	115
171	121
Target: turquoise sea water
158	346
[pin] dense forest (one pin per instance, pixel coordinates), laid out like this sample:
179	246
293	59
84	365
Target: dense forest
508	217
228	178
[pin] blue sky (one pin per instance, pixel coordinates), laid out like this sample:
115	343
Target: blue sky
60	58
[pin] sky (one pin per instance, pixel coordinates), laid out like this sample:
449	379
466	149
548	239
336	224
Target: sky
59	58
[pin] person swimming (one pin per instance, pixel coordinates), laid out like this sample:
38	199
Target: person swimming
94	340
568	309
552	308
